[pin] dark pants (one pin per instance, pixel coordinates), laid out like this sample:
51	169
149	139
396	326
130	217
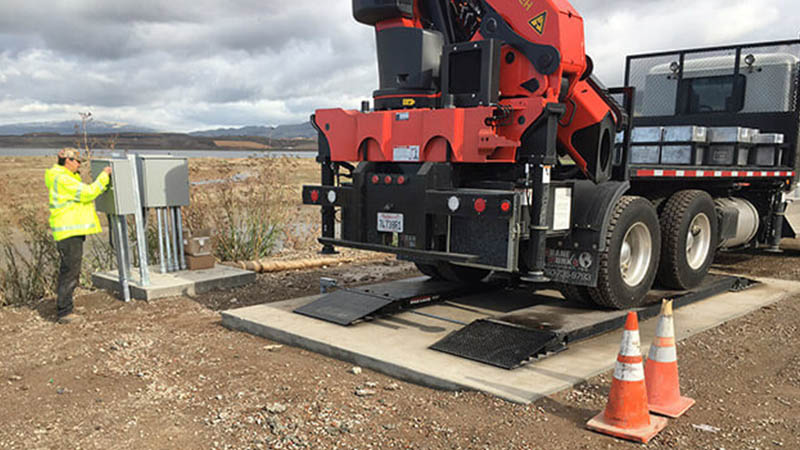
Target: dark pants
71	250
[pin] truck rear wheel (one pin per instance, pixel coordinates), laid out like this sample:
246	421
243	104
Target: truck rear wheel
576	294
689	230
451	272
629	262
429	270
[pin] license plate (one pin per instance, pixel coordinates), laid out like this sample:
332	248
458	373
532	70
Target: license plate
390	222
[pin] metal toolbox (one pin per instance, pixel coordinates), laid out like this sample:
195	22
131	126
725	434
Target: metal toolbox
682	154
647	135
685	134
731	135
644	154
721	155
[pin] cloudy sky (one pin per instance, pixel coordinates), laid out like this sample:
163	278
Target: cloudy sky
183	65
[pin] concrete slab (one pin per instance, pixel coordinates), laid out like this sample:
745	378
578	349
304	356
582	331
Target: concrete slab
398	345
185	282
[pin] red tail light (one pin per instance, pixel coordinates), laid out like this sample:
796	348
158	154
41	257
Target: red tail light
315	196
401	180
505	206
387	179
480	205
376	179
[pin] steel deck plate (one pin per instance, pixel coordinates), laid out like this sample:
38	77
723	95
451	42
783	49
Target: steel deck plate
344	306
497	343
348	305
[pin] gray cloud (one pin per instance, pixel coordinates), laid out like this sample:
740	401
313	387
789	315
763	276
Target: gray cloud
184	65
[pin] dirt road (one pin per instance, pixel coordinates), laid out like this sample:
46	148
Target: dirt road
167	375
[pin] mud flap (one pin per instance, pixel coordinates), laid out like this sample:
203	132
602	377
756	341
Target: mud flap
572	266
573	259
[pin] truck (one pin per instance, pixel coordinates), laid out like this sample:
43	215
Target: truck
491	150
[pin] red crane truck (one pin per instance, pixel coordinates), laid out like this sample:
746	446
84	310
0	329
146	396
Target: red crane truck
490	148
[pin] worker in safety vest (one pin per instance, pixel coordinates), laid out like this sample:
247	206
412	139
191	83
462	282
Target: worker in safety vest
72	217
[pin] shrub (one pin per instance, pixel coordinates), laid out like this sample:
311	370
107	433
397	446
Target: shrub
247	216
29	261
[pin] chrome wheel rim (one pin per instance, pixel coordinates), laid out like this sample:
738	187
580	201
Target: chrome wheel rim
635	254
698	241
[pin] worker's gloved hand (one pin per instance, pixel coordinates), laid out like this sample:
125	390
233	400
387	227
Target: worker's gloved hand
107	170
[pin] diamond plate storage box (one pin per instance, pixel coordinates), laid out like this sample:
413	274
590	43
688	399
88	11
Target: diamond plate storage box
730	146
646	145
164	181
683	145
767	151
119	197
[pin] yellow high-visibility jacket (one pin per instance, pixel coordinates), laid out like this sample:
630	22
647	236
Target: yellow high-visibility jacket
72	210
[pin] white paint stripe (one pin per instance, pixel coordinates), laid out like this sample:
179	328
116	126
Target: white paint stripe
662	354
717	173
630	346
700	173
749	174
734	174
679	173
629	372
666	327
763	174
658	173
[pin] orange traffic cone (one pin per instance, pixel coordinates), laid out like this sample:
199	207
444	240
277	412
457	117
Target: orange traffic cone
661	370
626	415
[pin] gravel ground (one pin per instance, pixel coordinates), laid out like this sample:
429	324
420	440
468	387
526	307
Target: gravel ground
166	374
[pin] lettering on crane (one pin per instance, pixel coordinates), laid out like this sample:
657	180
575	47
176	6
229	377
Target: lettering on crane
538	22
526	4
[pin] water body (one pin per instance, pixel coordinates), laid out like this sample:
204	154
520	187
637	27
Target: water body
108	153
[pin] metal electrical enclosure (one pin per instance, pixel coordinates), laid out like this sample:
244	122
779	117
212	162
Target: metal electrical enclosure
164	181
119	197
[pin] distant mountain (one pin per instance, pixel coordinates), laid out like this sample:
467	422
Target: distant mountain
301	130
69	127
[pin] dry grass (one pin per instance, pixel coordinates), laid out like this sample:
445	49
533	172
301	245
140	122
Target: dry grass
241	144
275	183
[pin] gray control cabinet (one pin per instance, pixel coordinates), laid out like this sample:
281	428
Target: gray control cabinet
119	197
164	181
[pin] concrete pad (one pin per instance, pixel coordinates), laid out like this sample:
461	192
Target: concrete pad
184	282
398	345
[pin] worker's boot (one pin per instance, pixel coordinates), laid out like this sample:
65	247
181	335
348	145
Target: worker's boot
70	318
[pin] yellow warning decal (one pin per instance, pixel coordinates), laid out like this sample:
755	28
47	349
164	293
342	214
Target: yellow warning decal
409	102
526	4
538	22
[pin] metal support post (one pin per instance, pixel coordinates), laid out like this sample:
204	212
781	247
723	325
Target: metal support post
141	237
125	246
539	226
116	232
776	224
328	212
168	239
175	257
161	263
179	221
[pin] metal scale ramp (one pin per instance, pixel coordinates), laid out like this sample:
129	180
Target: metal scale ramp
349	305
512	339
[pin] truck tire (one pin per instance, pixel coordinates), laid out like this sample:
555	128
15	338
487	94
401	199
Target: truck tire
689	234
628	265
429	270
464	274
451	272
576	294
